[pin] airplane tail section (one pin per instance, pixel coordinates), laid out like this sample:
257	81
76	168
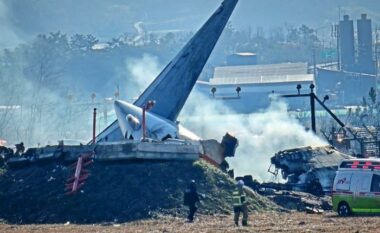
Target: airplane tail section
173	85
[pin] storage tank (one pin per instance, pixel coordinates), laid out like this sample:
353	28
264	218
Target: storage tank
346	43
365	52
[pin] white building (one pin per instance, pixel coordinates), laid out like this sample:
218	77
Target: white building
256	83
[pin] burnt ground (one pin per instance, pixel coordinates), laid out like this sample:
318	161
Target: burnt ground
258	222
114	192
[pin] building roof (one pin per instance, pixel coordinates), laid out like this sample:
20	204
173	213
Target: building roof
263	79
260	70
259	74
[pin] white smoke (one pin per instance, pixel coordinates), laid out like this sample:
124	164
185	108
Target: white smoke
260	135
143	70
141	34
44	113
42	117
8	38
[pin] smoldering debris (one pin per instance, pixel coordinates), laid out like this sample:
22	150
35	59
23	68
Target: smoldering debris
309	169
260	135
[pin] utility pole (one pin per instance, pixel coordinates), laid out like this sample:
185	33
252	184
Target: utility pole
314	63
338	45
335	34
149	105
312	108
337	31
94	127
312	97
377	68
377	42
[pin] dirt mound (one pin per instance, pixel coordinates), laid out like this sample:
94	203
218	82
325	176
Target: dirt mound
114	192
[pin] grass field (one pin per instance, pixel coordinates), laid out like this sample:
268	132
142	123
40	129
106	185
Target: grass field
259	222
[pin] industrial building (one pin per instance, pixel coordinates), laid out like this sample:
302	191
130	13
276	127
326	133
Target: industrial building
355	74
363	61
245	89
346	44
344	88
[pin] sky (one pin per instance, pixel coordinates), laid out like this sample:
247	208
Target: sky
21	20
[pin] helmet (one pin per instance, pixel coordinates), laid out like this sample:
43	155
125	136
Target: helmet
192	184
240	183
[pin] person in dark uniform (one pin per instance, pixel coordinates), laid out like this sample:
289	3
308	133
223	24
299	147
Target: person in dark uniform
20	149
190	199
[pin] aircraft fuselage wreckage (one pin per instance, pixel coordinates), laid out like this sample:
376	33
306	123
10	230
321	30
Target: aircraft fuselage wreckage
171	88
147	129
169	92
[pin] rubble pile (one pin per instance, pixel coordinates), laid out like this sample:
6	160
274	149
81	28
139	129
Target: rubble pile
284	196
310	169
115	192
300	201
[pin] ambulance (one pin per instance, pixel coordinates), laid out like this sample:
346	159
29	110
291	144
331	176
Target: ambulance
356	187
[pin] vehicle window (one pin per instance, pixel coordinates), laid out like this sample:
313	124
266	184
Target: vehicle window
375	187
361	182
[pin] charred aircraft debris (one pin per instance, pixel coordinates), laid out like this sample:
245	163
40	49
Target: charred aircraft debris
310	169
309	174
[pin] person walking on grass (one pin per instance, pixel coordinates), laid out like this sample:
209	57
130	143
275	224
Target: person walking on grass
239	202
190	199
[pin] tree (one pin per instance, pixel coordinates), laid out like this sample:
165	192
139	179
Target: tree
44	66
79	42
372	95
293	35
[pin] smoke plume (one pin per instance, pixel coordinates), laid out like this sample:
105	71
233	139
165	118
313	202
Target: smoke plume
142	71
260	134
8	38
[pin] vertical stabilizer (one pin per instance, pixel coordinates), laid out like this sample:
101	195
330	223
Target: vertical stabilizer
173	85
